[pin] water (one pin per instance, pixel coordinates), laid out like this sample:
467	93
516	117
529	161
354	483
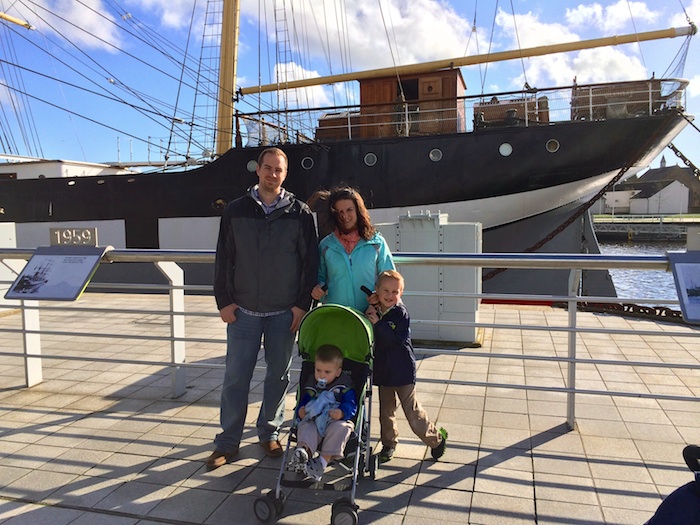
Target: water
656	284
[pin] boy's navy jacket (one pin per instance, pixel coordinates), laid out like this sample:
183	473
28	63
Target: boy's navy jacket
394	361
343	389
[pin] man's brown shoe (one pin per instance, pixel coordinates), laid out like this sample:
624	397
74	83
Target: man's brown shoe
219	458
273	449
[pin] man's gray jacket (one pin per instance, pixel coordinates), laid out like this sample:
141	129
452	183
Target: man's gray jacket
266	263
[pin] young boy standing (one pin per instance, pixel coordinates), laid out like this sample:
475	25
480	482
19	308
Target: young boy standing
325	410
395	370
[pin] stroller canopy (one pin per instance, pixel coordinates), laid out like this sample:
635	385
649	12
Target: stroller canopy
333	324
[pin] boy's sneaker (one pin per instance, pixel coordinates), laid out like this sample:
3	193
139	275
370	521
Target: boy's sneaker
438	451
386	454
299	460
314	469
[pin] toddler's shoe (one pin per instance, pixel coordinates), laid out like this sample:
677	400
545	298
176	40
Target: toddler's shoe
386	454
314	469
299	460
438	451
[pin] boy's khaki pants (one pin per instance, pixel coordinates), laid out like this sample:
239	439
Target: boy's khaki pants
415	414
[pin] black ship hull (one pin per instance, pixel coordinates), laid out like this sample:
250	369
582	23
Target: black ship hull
546	167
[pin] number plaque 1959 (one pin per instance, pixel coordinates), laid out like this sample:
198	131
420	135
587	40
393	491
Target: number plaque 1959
74	236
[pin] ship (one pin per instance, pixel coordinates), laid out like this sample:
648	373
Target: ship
525	164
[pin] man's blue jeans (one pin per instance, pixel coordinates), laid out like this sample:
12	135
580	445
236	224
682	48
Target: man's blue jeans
243	344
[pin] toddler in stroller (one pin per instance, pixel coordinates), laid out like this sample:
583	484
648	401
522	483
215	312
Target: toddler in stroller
325	412
350	331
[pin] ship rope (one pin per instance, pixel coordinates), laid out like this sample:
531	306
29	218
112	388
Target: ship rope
404	124
517	39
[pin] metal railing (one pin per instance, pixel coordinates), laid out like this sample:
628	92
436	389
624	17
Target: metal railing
166	261
464	114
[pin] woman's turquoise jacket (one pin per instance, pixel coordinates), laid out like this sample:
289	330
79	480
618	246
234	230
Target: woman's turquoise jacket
345	273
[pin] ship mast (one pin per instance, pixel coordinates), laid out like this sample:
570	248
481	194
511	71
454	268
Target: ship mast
478	59
228	63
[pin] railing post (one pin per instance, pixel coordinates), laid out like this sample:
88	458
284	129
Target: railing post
574	285
32	343
176	277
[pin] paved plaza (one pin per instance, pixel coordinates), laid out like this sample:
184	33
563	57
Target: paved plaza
105	443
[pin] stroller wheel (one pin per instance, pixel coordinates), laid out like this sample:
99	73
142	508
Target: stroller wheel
344	513
279	504
267	508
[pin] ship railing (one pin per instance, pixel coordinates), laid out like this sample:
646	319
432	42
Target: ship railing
187	328
525	107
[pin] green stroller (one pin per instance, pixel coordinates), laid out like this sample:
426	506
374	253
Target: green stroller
350	331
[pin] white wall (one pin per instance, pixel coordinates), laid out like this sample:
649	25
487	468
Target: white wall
618	201
672	199
188	233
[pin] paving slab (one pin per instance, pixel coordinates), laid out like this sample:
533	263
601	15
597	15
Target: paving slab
105	443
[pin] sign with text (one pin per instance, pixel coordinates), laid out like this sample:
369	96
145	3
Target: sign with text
73	236
56	273
686	273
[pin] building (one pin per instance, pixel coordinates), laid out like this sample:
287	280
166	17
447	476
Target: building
662	191
39	169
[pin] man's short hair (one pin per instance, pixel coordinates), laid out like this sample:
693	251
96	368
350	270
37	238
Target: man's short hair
272	151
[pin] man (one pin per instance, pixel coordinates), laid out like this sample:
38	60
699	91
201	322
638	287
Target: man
266	265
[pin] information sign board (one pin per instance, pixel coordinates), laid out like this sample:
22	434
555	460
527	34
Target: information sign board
57	273
686	273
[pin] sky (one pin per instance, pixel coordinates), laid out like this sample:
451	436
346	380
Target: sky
103	80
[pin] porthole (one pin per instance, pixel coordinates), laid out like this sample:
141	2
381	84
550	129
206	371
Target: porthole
552	145
71	183
505	149
307	163
252	164
101	181
370	159
435	155
132	179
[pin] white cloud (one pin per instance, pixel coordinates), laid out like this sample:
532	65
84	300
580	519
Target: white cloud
527	30
603	65
52	16
611	18
176	14
302	97
369	35
692	11
694	87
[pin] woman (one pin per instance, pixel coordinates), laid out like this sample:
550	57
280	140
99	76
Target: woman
352	255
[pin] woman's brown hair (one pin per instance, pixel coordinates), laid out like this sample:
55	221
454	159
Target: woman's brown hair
364	224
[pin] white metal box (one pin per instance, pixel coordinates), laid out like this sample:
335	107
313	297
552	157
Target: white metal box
434	233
